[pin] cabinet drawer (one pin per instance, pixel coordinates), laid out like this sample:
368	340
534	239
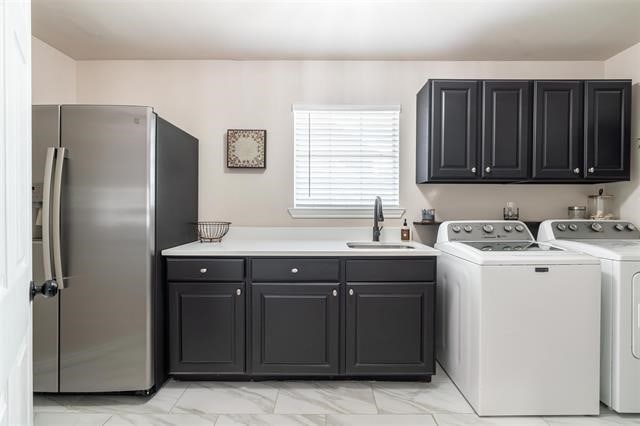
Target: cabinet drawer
204	269
303	269
391	270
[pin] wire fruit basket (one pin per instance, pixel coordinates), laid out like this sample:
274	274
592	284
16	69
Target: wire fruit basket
211	232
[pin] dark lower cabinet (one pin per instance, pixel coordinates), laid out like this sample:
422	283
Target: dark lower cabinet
506	134
390	329
608	130
207	328
326	317
295	328
558	142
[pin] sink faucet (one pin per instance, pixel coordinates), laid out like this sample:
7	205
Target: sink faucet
377	217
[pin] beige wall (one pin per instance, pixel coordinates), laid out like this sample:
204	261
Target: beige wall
627	65
53	75
208	97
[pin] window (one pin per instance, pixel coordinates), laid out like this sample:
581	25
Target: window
345	156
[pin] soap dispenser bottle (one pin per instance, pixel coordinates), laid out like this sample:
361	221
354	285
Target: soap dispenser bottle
404	232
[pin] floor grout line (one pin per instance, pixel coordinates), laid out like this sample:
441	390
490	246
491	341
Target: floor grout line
178	399
375	400
275	403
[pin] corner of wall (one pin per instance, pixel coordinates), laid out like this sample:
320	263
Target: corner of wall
54	75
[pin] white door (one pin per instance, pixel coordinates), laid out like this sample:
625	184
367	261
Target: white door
16	405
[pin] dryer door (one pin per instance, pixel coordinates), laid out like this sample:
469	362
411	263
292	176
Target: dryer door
635	326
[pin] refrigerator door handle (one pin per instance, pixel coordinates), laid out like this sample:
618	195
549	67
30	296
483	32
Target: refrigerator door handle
55	217
46	213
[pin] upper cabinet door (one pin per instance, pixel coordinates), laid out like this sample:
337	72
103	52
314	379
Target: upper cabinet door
506	110
454	132
608	129
557	130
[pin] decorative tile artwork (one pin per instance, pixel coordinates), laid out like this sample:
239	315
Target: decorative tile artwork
246	149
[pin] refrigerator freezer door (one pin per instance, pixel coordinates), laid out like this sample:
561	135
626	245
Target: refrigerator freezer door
107	248
46	138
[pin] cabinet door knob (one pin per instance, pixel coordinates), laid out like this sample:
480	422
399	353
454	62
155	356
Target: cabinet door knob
350	292
238	292
487	169
591	169
334	292
294	270
203	270
473	170
576	170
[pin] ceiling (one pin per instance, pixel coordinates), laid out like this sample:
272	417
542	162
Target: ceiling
338	29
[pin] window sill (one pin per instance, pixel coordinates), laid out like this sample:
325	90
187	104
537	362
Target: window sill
328	213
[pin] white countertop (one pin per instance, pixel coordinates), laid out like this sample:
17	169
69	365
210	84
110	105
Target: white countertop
317	241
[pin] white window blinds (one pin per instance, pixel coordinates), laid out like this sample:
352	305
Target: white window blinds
345	156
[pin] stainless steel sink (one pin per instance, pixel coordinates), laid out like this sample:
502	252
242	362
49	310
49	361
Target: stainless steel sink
376	245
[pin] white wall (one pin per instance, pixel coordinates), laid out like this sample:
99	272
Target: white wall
626	64
208	97
53	75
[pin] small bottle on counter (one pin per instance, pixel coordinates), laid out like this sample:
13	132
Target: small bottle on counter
405	234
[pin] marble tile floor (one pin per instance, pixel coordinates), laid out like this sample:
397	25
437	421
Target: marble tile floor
290	403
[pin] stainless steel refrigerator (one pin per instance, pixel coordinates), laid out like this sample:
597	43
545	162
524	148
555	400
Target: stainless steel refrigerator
112	187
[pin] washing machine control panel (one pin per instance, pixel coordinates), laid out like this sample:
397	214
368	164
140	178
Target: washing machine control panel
595	229
508	230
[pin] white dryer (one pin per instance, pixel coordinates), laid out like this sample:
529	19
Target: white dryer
518	322
617	245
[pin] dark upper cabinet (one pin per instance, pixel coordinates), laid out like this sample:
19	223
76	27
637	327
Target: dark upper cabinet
447	130
207	328
558	143
390	328
295	328
607	130
506	134
565	131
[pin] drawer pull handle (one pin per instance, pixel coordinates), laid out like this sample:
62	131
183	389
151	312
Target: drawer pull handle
238	292
203	270
350	292
294	270
334	292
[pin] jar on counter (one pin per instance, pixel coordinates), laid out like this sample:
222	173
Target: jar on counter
601	206
577	212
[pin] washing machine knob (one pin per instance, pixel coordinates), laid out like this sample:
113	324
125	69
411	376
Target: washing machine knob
619	227
596	227
455	228
468	228
631	227
519	228
573	227
508	228
487	228
561	227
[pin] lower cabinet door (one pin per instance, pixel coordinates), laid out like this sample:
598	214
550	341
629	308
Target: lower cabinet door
390	329
295	329
207	328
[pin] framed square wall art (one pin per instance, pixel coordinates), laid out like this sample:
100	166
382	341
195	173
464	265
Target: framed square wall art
246	149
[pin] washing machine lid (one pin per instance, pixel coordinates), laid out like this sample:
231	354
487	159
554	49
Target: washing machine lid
496	253
620	250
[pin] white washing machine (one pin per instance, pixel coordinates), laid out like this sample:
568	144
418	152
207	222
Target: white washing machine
518	322
617	245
